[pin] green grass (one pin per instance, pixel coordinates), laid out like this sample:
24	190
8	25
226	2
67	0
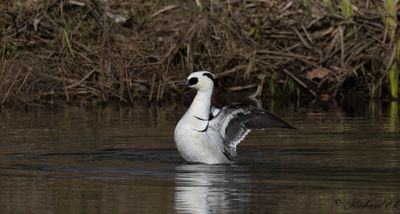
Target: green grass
390	18
391	25
346	9
394	116
329	5
394	80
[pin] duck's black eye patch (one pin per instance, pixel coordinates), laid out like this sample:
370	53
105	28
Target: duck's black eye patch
209	76
193	81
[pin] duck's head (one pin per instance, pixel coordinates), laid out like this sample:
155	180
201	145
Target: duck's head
200	80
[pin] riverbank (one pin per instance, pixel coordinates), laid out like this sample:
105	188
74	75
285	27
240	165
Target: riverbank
126	51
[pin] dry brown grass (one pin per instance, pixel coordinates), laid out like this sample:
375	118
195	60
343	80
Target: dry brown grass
90	50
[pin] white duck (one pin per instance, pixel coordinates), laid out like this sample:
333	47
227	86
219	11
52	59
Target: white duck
209	135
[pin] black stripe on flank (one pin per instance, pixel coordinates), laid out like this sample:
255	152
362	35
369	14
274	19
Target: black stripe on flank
199	118
209	76
227	156
202	130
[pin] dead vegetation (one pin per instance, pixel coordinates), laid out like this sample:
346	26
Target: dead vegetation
93	50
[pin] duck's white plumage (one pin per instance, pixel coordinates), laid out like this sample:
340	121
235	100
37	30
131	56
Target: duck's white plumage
209	135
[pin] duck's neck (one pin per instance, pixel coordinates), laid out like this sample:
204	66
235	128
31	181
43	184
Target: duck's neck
201	104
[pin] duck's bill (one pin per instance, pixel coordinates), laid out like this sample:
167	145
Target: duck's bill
184	83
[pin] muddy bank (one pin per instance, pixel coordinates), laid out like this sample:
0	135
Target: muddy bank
126	51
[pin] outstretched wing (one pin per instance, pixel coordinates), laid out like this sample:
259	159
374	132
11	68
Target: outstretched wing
234	122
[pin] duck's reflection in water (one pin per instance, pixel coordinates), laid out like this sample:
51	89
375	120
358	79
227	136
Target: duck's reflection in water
203	188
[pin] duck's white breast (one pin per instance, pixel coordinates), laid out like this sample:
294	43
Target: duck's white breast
196	146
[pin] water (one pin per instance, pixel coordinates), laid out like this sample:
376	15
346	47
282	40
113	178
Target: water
123	160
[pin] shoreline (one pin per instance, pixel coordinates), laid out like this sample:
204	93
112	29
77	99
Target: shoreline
122	51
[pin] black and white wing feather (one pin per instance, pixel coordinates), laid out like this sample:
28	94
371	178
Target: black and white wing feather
234	122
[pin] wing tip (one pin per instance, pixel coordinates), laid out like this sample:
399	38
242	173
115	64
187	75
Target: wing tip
287	125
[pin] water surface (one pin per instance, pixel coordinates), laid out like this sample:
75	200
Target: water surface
123	160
